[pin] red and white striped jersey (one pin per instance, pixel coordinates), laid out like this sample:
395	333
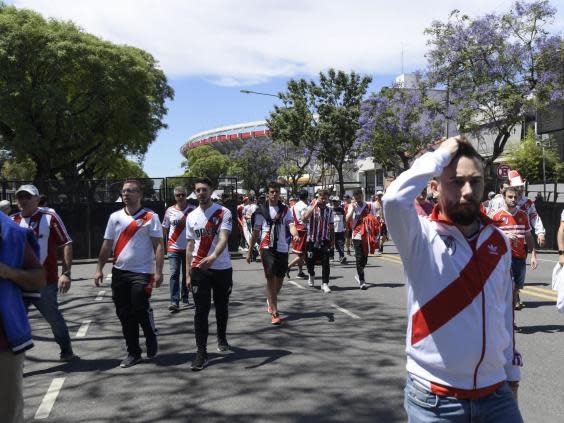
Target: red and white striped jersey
514	224
359	213
297	211
203	227
175	220
51	233
131	236
320	225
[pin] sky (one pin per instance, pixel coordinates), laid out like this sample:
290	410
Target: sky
211	49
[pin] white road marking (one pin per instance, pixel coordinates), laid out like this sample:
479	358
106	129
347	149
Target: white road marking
296	284
49	399
100	295
83	329
550	261
347	312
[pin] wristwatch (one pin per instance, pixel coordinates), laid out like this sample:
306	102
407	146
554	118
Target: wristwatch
66	273
560	252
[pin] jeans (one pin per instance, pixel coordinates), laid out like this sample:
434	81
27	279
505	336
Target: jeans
131	298
312	254
518	270
422	406
49	309
361	259
177	263
203	283
340	243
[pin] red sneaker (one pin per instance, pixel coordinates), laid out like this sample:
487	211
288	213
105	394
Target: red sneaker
276	319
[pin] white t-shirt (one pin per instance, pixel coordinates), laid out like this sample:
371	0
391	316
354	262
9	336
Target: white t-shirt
133	250
283	229
175	220
203	227
248	210
298	210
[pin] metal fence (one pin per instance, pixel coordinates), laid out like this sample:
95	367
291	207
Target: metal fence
85	205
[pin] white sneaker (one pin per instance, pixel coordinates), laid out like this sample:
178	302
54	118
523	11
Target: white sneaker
357	279
311	280
325	288
378	254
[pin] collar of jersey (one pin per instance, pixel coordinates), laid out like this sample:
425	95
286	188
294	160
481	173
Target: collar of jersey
438	216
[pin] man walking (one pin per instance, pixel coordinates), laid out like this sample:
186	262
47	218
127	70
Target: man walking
20	269
515	224
51	235
299	246
461	360
339	224
274	224
174	230
134	235
209	268
318	218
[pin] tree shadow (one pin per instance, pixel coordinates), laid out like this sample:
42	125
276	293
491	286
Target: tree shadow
238	354
386	285
537	304
76	366
293	316
528	330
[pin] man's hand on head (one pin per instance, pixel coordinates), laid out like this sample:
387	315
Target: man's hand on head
450	145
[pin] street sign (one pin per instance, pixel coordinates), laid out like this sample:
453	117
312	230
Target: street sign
503	171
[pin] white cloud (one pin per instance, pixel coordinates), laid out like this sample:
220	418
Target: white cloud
233	42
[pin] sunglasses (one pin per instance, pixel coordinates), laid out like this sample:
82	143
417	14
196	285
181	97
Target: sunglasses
23	196
129	190
201	190
180	195
274	192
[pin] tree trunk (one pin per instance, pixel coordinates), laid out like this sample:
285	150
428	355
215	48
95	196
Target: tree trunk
341	180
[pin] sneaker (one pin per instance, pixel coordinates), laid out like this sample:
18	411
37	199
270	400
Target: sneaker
325	288
343	260
68	356
519	306
200	361
301	275
288	273
275	320
378	254
363	286
173	308
311	280
152	347
357	279
185	301
222	345
130	360
268	308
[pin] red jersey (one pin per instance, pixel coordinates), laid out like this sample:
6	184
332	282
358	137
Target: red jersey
50	233
514	224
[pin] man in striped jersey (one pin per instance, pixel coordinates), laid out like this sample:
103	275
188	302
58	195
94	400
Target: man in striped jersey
174	230
209	268
319	220
515	225
134	234
51	235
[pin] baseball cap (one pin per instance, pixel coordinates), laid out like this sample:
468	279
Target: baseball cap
30	189
515	179
379	193
4	204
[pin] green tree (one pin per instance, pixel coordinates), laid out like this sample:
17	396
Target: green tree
123	168
71	101
338	100
527	158
497	67
18	170
294	126
206	161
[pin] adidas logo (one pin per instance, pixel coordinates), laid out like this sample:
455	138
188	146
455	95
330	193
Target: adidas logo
492	249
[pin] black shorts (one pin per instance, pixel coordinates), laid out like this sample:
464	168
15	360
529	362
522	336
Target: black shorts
383	230
274	263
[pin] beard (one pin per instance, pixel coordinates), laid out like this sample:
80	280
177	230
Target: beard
463	214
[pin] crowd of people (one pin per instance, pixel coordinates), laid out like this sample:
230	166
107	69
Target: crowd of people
461	357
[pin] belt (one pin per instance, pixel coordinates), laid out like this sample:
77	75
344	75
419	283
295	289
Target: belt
449	391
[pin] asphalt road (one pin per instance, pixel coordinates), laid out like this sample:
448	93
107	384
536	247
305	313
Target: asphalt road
338	357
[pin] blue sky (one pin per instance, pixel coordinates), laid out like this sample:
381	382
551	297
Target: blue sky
211	49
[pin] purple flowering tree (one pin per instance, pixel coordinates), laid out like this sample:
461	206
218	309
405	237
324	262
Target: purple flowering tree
497	67
396	124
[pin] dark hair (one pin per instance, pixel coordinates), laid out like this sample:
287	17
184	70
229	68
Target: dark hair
203	180
43	199
303	194
134	182
273	185
357	191
512	189
322	192
466	149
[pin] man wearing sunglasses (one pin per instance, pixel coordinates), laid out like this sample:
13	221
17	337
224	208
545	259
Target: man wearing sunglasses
174	230
209	268
51	235
134	235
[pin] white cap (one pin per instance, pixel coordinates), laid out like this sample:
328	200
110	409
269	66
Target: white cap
515	179
379	193
30	189
4	204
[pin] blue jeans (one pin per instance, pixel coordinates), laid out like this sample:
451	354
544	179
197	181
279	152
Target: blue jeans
422	406
177	263
49	309
518	270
